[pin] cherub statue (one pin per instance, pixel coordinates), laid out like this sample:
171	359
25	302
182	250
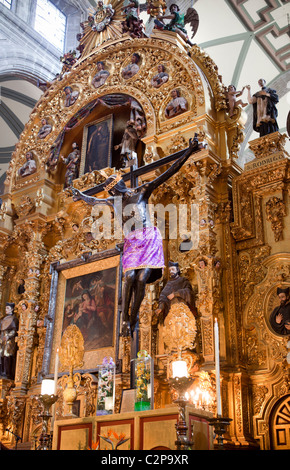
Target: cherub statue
232	94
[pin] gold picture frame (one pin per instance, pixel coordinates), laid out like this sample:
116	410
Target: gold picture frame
97	144
100	276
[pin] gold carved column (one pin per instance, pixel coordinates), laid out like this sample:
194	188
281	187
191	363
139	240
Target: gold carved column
29	309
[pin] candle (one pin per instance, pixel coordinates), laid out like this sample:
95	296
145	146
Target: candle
179	369
149	391
55	386
109	403
217	368
56	371
47	387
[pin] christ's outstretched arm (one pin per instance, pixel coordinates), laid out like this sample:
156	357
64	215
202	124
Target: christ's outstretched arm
194	146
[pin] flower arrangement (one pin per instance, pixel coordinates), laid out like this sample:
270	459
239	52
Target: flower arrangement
143	381
106	384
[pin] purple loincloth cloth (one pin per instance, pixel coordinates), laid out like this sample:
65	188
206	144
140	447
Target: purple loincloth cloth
143	248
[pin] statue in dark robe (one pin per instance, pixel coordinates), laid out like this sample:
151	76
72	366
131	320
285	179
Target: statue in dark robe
280	317
178	289
264	109
8	331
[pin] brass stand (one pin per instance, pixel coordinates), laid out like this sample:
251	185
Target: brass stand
220	425
45	439
181	385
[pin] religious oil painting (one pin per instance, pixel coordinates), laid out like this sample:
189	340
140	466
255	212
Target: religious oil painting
85	293
97	145
90	303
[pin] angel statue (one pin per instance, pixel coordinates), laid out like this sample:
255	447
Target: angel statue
178	21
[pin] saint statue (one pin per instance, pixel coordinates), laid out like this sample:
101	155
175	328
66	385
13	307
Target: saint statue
177	105
70	96
177	289
143	258
280	317
8	332
29	166
160	78
128	144
101	75
264	109
72	163
130	70
45	129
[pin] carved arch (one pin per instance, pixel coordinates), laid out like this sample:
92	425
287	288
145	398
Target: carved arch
185	73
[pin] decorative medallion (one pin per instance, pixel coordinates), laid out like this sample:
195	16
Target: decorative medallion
179	328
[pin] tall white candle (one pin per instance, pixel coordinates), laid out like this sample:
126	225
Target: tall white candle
55	386
217	368
56	371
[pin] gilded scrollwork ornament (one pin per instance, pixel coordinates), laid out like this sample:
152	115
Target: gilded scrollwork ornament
276	211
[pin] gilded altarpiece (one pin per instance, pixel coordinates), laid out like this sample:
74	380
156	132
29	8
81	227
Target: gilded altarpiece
261	232
233	268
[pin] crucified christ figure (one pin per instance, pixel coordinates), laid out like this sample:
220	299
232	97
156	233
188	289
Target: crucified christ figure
143	258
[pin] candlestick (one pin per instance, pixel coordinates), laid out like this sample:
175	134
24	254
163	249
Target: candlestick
217	368
56	371
55	386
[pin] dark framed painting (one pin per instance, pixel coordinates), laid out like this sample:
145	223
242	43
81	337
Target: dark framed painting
97	145
85	293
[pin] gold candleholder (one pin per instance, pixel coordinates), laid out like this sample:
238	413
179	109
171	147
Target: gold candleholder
45	439
181	385
220	425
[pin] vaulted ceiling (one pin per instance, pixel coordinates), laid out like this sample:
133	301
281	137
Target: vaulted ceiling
247	39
